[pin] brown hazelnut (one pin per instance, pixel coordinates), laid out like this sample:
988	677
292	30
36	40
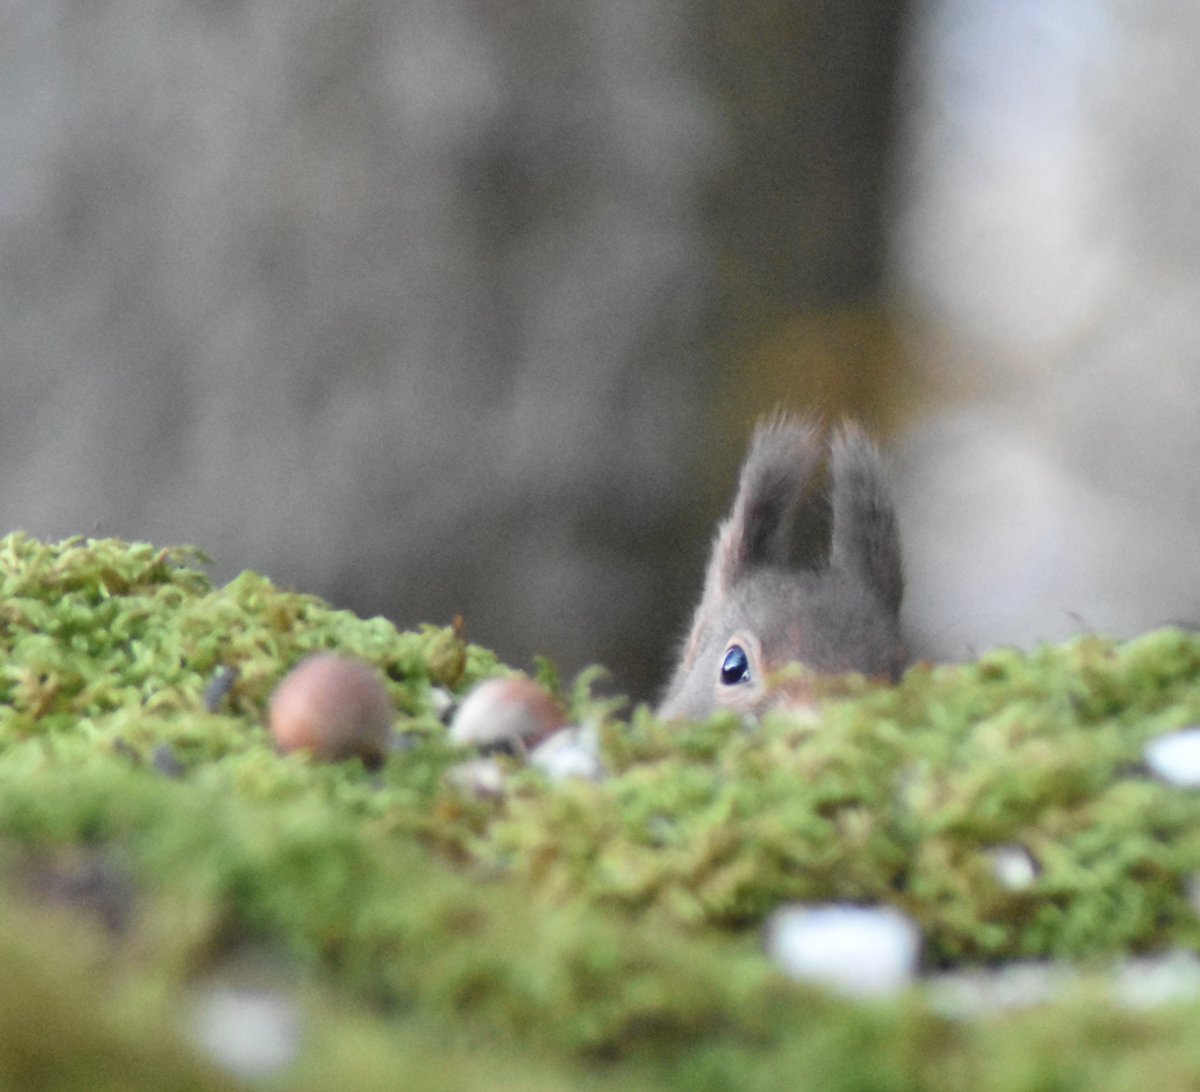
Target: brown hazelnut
334	707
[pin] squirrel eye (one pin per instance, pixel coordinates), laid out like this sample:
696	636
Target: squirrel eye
735	668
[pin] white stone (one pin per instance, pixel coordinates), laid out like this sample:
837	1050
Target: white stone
1149	981
571	752
977	991
441	701
1013	866
1175	757
482	777
250	1033
861	951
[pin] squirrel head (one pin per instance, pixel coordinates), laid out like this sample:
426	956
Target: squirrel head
757	615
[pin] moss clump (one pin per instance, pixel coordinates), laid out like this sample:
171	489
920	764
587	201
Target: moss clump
900	796
560	935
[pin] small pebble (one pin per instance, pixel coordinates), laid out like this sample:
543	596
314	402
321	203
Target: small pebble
1013	866
509	710
1175	757
122	747
403	742
975	991
166	762
1141	982
1149	981
250	1033
90	882
570	752
860	951
442	703
1191	888
333	707
219	687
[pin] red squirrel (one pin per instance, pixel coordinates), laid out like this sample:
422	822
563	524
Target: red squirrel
757	614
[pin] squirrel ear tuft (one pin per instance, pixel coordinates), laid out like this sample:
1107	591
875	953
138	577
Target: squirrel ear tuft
774	479
865	539
757	532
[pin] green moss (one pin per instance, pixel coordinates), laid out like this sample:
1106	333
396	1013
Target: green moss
562	935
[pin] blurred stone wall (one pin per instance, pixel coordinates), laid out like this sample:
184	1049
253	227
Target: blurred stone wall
399	303
1047	249
435	308
800	215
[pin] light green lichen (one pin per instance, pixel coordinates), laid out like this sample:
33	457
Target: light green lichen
561	934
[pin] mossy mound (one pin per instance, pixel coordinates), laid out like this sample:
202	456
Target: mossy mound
570	934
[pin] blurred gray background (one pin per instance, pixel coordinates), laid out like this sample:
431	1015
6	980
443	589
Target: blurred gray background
465	307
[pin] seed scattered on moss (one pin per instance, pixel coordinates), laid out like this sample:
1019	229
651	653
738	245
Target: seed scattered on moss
333	707
508	710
